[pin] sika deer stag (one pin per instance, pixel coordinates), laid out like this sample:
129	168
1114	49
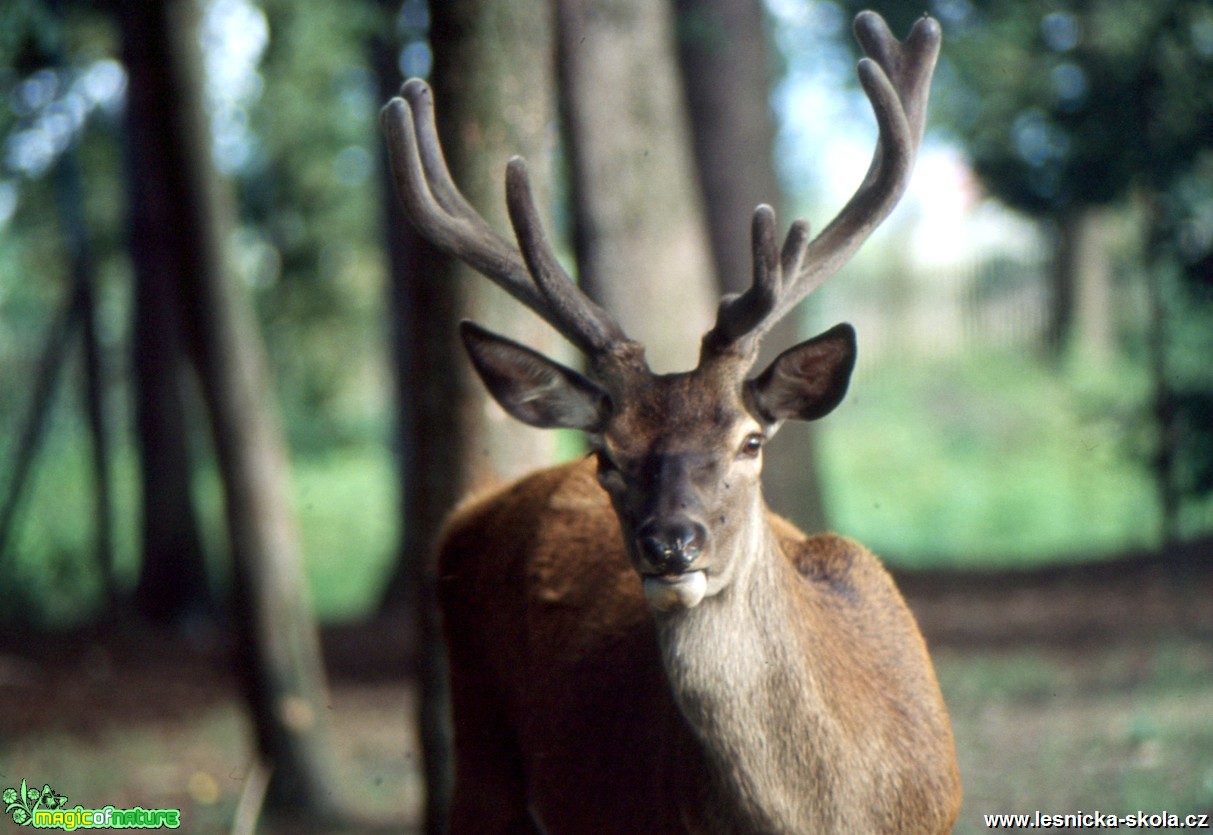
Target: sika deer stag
637	645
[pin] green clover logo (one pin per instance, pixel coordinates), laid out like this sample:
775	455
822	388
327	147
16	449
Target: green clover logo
21	802
51	799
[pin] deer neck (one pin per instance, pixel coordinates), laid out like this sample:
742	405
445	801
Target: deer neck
741	679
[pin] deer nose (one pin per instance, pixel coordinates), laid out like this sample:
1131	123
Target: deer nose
670	547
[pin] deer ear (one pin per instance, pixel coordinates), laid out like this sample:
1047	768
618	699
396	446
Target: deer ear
806	381
533	388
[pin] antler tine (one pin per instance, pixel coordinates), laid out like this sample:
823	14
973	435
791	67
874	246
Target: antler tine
433	161
438	210
909	65
445	217
896	77
740	314
573	313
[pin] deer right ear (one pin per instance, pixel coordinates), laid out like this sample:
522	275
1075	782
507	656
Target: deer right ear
533	388
806	381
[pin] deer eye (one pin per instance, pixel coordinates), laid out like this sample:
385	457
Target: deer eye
607	469
752	445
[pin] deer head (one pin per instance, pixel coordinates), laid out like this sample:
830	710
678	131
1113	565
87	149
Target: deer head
679	454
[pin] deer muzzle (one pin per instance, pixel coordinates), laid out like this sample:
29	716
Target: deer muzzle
668	551
670	547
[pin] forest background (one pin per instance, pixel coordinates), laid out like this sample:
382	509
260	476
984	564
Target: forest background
1035	321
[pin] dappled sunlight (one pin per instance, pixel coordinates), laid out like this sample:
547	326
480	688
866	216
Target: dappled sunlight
233	37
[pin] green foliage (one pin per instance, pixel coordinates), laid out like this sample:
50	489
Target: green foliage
345	501
1185	272
308	244
310	203
27	26
51	575
1064	105
991	460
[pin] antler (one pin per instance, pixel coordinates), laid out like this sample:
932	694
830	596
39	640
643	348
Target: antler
529	272
896	78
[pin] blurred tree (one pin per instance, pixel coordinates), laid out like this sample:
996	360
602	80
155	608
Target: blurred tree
640	233
1065	109
493	83
1179	253
277	636
165	253
69	186
34	44
726	67
308	239
727	70
410	260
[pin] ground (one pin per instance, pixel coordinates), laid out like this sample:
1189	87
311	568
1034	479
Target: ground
1084	688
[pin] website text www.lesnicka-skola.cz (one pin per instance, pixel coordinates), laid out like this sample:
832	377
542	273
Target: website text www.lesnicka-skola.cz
1096	820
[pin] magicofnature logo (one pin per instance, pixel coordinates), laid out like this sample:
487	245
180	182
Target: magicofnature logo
22	802
47	809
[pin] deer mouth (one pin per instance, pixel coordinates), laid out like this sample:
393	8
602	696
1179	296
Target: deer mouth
671	592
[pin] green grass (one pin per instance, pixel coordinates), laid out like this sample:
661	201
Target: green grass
349	515
990	459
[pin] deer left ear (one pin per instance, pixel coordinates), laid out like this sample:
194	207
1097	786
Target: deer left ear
531	387
806	381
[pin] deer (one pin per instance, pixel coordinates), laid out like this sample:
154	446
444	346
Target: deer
636	644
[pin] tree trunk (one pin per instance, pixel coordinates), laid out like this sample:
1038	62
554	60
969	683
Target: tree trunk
422	316
726	68
173	574
70	196
492	85
1080	310
493	82
1166	449
1060	313
640	236
277	636
1094	337
173	580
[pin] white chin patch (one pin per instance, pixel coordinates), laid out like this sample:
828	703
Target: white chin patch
682	591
